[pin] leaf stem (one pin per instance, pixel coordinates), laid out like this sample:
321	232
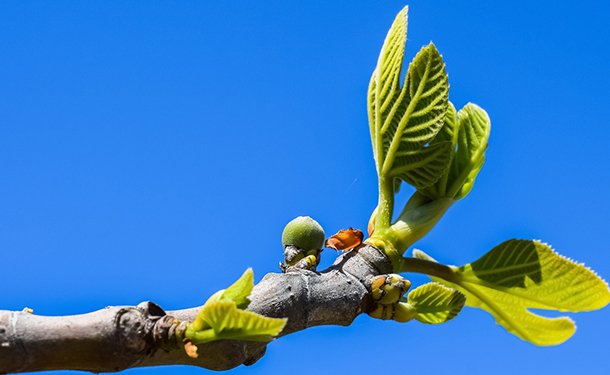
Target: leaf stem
386	203
201	337
408	264
419	216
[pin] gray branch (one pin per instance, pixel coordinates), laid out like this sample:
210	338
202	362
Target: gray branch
121	337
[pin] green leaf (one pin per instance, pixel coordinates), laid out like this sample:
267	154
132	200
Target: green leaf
532	271
435	303
237	293
240	290
472	144
423	168
403	120
448	133
215	297
521	274
223	316
384	87
469	132
229	322
421	255
418	113
474	127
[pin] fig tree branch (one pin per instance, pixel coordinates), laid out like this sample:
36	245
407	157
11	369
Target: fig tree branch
122	337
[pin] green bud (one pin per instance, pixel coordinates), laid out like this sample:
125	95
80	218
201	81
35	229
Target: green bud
400	312
310	262
388	289
403	312
305	233
296	257
382	312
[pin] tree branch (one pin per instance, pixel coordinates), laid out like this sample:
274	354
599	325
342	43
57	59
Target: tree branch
121	337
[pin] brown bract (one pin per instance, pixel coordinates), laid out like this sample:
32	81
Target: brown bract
346	239
371	226
191	349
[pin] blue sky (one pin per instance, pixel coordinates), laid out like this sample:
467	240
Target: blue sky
155	150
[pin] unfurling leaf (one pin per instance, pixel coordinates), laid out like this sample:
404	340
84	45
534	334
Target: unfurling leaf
468	131
223	317
520	274
228	322
384	87
240	290
449	131
435	303
424	167
404	119
345	239
472	144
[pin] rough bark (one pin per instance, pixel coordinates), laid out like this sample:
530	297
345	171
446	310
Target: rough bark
121	337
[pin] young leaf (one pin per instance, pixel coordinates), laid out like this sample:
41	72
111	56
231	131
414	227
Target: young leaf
418	254
200	324
237	293
468	132
435	303
223	316
472	144
521	274
215	297
385	82
403	120
229	322
418	113
424	167
240	290
448	133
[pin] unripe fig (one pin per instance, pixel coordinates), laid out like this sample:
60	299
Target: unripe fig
304	233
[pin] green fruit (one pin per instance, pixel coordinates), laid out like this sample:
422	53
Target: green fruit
304	233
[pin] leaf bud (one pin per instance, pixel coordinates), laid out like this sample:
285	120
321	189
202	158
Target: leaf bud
403	312
388	289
